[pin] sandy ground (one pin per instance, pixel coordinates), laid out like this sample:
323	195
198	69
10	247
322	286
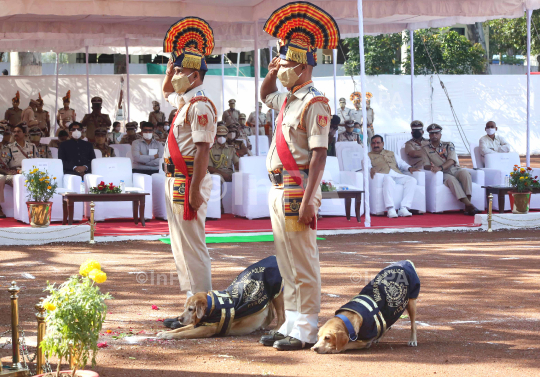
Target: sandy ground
477	311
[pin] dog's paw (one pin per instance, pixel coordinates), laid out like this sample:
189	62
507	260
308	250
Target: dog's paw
413	343
165	335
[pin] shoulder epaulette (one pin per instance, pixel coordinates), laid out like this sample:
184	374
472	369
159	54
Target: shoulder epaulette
319	98
315	92
198	99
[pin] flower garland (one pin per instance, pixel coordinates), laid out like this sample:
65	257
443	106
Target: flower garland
102	188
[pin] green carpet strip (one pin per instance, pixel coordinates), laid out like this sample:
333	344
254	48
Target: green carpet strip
235	239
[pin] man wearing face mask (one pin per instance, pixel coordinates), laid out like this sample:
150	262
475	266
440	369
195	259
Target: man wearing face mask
146	152
5	134
348	135
95	119
42	150
252	121
101	143
131	134
65	115
115	135
234	139
231	115
492	143
295	162
156	116
413	147
76	154
14	114
187	151
223	155
344	114
243	123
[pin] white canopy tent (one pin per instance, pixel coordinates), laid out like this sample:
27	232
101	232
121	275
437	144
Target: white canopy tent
111	26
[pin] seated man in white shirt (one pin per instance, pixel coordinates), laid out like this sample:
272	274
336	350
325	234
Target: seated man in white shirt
146	152
492	143
393	167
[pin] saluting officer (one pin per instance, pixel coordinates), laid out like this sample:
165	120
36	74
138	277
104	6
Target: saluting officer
299	145
413	147
187	151
231	115
42	150
441	156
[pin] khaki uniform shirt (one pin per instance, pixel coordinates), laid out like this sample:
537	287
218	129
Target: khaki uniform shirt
344	114
413	145
345	136
13	116
13	154
54	143
356	115
128	139
156	118
253	116
93	122
226	162
43	151
196	123
28	117
160	136
243	135
106	151
387	163
43	118
301	137
171	116
230	116
446	151
65	116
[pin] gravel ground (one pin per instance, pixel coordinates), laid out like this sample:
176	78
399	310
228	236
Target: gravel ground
477	311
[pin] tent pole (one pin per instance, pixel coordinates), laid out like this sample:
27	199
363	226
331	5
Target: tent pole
367	220
223	81
257	74
411	33
87	81
528	157
334	59
273	114
127	79
237	64
55	101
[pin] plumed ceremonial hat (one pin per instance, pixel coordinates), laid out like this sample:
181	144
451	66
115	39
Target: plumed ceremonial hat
17	97
189	40
40	100
302	28
67	97
357	96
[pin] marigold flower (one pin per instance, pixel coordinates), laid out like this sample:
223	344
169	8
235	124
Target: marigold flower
49	187
515	169
54	177
98	276
521	178
49	306
88	266
522	170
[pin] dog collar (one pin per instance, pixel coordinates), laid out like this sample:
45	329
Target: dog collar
350	328
209	306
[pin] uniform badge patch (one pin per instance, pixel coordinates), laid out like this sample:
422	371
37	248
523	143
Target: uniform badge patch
322	121
202	120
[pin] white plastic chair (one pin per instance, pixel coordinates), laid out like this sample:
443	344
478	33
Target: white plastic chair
8	205
250	188
264	144
54	152
98	153
113	170
350	156
66	183
120	150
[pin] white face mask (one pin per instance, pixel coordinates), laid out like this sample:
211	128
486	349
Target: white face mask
147	135
76	134
166	128
221	140
490	131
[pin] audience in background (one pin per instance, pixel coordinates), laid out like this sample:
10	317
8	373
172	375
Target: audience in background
334	125
492	143
76	154
131	134
101	143
5	134
115	135
42	150
413	147
63	135
146	152
348	135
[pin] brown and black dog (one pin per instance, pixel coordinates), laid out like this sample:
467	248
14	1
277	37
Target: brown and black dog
247	305
365	319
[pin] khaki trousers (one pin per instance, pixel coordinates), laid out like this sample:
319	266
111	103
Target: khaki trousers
5	179
298	258
188	241
458	181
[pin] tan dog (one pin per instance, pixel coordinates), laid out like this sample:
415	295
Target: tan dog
247	305
368	316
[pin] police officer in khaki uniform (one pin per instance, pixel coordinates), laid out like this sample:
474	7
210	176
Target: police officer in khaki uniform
441	156
222	156
245	129
171	115
14	114
5	133
370	115
413	147
231	115
344	114
299	146
95	119
235	141
241	135
66	115
187	152
43	118
156	116
11	157
28	114
101	143
131	134
43	150
252	121
348	135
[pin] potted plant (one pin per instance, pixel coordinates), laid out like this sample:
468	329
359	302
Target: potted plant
76	311
103	188
41	187
327	186
522	181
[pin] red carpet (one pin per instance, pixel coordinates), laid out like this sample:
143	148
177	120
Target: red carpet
231	224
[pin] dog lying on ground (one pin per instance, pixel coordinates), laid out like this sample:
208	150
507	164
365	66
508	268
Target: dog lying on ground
365	319
247	305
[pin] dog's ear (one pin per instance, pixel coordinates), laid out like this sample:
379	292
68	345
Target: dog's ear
200	308
341	340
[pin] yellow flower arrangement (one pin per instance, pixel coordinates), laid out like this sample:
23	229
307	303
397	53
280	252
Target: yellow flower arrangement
98	276
88	266
39	186
49	306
